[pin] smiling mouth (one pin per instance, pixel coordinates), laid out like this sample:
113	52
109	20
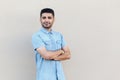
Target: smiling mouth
46	23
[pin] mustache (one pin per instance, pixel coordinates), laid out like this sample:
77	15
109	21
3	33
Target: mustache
46	23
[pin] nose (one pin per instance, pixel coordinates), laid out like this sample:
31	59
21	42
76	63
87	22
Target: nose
46	19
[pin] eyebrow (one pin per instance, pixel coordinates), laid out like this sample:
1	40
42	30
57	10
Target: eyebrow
44	17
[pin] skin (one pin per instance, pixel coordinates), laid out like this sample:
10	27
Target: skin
47	20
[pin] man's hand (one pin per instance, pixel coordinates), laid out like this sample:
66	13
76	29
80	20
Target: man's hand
65	54
49	55
60	52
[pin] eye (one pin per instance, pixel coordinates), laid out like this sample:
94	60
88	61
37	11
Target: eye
43	17
49	17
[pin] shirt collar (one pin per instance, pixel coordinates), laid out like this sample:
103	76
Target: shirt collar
45	30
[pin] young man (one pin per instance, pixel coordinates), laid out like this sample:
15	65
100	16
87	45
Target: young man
50	48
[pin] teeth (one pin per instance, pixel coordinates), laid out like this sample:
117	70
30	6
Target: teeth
46	23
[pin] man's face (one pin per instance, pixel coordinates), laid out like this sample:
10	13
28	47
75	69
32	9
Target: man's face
47	20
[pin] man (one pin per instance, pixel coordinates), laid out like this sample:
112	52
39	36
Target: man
50	48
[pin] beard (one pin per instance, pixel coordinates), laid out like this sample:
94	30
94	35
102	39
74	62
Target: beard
47	25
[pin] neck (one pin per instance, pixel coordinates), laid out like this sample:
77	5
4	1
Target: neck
48	29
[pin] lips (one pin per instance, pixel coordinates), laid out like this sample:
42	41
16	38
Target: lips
46	23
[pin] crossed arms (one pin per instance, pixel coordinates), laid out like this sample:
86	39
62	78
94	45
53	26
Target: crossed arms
62	54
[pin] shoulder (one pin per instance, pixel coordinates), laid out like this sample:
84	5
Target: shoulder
36	34
57	33
40	31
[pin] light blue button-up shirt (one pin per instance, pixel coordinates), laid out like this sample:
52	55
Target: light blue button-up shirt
52	41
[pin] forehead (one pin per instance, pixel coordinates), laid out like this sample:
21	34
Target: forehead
47	14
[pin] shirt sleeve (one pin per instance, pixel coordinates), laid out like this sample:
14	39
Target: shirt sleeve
37	42
63	41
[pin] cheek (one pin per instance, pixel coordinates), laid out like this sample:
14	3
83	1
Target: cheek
51	21
42	21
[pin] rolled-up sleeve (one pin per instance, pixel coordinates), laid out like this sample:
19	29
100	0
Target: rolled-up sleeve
37	42
63	41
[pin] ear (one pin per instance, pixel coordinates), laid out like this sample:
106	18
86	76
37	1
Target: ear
54	19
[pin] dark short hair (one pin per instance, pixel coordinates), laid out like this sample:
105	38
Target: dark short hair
47	10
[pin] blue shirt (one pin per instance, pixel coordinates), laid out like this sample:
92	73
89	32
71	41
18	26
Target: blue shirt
52	41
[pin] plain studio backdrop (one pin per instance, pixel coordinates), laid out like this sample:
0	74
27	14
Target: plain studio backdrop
90	27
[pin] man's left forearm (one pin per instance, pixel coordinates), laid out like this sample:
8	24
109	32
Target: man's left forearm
63	56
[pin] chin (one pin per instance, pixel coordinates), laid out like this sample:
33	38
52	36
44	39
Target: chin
47	27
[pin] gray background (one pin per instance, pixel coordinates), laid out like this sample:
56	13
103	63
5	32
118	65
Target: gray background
91	28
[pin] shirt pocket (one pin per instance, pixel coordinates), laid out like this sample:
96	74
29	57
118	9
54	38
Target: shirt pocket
58	43
47	44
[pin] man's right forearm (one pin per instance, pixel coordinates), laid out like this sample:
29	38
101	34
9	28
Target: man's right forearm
54	54
48	54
